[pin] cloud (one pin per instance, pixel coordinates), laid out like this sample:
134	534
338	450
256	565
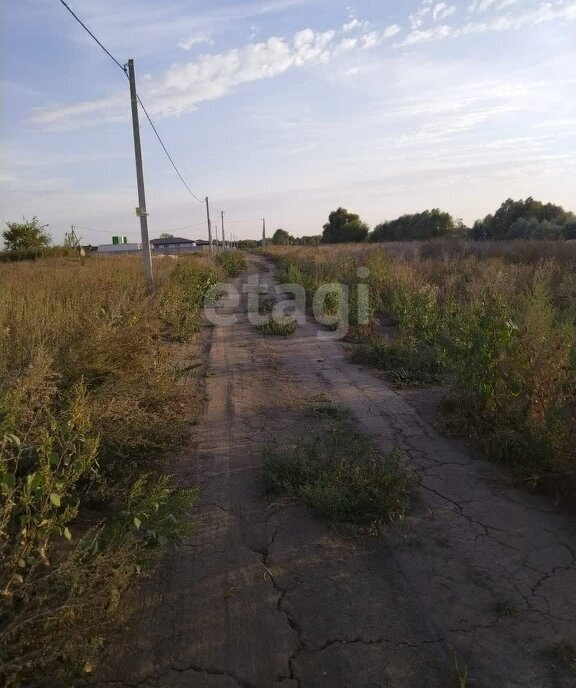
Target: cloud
212	76
546	12
351	25
478	6
430	10
442	10
196	39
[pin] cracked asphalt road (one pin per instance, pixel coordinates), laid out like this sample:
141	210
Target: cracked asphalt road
266	596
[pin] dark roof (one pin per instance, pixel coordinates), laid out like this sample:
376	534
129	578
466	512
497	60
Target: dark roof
172	240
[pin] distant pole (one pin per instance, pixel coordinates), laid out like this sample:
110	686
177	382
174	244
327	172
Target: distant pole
263	232
209	226
216	236
223	235
141	210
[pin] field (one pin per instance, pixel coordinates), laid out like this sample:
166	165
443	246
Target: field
339	535
493	322
90	398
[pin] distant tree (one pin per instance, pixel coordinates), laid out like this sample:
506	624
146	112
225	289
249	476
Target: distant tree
249	243
343	226
430	224
71	240
165	235
25	234
281	238
525	219
310	240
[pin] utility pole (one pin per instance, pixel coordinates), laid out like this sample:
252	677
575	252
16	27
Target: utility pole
209	226
263	232
216	235
141	210
223	235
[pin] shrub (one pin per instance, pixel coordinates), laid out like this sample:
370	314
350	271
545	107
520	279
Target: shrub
233	262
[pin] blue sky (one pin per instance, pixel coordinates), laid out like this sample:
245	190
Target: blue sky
286	109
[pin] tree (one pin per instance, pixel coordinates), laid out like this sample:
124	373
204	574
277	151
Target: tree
525	219
281	238
310	240
430	224
165	235
25	234
343	226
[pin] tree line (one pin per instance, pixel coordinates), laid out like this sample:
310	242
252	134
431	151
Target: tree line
524	219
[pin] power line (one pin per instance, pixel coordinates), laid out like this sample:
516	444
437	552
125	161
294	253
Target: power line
123	68
166	150
83	25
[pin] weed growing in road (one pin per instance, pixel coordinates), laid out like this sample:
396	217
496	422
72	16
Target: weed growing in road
461	671
283	327
562	656
504	607
339	473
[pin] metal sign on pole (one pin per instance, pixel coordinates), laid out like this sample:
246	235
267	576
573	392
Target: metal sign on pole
141	210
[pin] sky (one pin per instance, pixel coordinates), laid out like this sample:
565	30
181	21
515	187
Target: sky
284	109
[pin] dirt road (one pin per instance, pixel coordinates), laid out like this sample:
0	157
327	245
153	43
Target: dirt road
263	595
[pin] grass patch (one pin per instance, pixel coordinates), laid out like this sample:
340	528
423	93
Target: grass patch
278	328
339	473
562	656
504	607
404	366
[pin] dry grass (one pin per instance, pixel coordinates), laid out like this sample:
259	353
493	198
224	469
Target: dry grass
88	399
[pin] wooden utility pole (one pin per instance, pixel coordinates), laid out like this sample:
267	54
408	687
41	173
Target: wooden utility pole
223	235
209	226
141	210
216	236
263	232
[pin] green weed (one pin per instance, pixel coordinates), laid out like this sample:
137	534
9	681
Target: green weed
283	327
233	262
340	474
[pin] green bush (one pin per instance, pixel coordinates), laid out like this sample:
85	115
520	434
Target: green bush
233	262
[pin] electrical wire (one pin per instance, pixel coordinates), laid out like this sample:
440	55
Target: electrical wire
83	25
166	150
123	68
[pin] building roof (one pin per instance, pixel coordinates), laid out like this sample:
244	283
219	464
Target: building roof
171	240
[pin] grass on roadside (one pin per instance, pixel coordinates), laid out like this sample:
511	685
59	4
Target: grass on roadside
339	473
233	262
89	402
404	367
